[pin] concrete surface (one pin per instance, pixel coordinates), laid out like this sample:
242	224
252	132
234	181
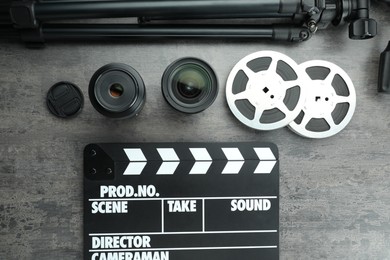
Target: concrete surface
335	193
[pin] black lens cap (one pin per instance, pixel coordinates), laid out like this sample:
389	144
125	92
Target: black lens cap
65	100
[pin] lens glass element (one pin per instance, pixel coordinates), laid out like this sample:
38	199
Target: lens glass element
189	85
189	82
116	90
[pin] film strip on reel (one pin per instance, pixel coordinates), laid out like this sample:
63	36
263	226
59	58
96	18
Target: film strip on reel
329	103
265	90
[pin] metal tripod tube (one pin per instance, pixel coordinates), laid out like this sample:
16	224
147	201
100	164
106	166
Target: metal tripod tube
112	31
47	11
222	16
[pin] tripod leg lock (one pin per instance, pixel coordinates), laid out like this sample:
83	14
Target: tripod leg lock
23	18
361	29
23	15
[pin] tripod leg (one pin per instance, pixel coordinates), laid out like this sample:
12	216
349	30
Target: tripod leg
384	71
124	31
47	11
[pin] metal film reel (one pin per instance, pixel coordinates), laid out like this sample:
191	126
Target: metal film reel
330	101
265	90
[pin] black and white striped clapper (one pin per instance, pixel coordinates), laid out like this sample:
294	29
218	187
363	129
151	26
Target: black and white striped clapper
181	201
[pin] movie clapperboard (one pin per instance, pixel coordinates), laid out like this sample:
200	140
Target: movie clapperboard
181	201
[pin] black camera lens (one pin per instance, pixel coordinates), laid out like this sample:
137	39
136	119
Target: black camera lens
189	85
117	90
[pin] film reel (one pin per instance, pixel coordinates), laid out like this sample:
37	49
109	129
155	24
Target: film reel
265	90
330	101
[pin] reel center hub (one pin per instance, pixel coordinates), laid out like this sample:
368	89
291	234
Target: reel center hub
265	91
320	100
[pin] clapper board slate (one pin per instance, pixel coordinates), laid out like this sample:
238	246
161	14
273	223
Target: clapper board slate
181	201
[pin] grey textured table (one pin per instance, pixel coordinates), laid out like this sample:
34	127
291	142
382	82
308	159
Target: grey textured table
335	193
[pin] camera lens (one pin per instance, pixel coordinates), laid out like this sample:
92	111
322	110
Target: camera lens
189	85
117	90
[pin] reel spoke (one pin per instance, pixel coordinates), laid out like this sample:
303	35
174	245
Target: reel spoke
329	79
274	65
248	72
241	96
258	114
292	83
283	108
305	120
342	99
329	119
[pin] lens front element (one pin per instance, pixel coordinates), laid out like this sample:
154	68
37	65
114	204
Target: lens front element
189	85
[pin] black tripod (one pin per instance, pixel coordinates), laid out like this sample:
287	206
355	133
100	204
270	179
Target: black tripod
295	20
